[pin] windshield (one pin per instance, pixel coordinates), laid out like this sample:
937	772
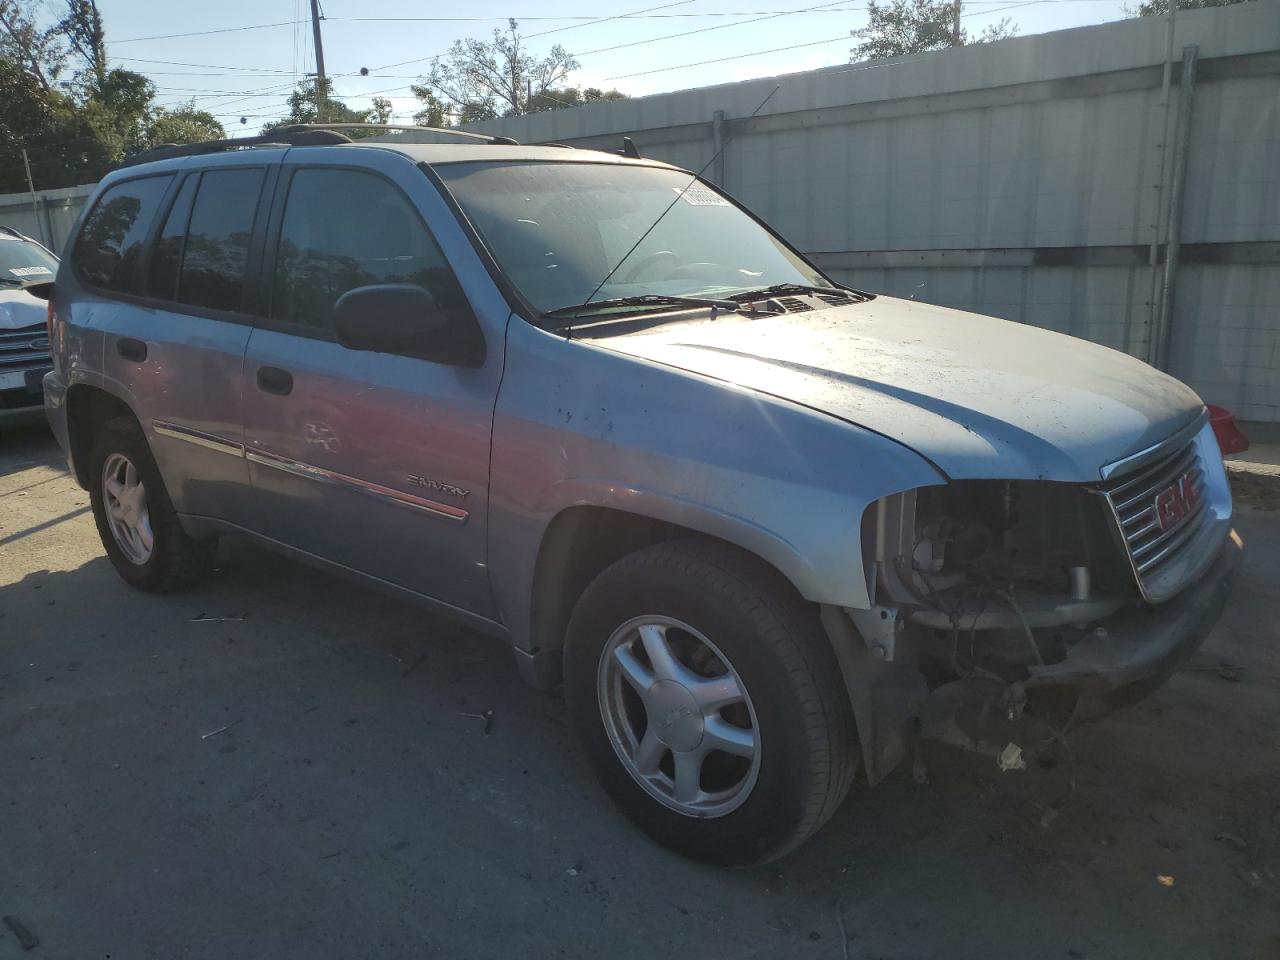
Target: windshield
558	229
22	264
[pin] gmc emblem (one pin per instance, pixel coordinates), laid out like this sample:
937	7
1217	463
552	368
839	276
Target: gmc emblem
1176	502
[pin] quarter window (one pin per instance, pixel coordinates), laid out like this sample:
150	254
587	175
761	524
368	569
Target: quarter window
167	254
344	229
216	251
110	244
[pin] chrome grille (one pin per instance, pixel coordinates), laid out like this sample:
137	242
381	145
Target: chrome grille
16	348
1134	496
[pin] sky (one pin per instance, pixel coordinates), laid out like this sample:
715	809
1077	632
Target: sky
242	57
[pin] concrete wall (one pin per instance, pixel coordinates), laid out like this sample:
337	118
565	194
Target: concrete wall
50	218
1020	179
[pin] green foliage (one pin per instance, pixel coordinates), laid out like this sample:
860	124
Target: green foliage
563	97
1158	8
313	102
481	80
897	28
183	124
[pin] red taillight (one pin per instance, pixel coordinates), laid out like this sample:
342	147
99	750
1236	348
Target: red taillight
49	315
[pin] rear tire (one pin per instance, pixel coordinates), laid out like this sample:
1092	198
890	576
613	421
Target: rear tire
747	694
137	523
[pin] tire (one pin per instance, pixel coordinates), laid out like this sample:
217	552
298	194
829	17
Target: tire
173	559
767	644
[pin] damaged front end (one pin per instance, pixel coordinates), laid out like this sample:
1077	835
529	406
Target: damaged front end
1006	611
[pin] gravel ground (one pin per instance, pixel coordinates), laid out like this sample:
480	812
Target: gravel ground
301	779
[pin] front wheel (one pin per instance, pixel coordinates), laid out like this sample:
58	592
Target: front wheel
709	702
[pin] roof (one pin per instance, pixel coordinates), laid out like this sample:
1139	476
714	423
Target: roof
441	153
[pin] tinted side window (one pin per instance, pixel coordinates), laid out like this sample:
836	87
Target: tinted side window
344	229
111	241
216	252
163	280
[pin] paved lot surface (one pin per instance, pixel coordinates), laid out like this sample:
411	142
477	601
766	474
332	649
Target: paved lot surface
349	809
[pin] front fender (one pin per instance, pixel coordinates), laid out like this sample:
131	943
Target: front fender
580	426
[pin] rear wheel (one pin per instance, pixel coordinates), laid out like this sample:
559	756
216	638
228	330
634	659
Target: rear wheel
137	523
708	701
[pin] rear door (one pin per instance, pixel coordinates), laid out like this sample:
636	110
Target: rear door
176	318
375	461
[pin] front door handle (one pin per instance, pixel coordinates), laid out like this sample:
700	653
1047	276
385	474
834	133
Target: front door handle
131	349
274	380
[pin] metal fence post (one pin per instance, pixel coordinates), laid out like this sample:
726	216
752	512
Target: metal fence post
1182	137
717	148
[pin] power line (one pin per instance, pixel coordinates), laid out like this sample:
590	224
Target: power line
719	26
206	33
739	56
798	46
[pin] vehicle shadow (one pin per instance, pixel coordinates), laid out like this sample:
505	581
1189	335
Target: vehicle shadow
282	758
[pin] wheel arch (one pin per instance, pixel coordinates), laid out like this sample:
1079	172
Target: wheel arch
88	408
582	540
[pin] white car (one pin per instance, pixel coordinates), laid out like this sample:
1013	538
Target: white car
24	334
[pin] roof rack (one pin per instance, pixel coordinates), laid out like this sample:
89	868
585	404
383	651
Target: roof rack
447	131
294	135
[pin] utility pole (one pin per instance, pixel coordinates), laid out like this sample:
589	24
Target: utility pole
320	80
955	23
35	206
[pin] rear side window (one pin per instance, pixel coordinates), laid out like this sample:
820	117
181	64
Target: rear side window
344	229
110	244
216	253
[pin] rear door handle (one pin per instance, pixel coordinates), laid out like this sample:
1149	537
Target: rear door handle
274	380
131	349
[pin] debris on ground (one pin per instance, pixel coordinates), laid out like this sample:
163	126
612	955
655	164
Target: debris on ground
487	717
1011	758
26	939
1230	671
229	618
1164	879
223	729
1232	841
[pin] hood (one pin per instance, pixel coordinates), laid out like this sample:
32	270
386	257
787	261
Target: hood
977	396
20	309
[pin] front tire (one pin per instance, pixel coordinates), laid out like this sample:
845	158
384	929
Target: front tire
139	528
709	703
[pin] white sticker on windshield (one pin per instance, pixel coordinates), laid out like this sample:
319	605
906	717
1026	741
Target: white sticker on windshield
29	271
702	197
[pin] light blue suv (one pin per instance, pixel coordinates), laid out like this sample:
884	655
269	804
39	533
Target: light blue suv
767	530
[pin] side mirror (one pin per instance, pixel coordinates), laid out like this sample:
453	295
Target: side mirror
402	318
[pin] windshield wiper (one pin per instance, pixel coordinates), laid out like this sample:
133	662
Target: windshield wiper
783	288
593	307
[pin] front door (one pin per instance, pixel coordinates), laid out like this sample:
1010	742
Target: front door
371	460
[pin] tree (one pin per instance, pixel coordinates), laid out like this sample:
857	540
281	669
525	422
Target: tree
35	49
1158	8
434	112
380	112
184	124
82	28
313	102
900	27
478	80
119	106
563	97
